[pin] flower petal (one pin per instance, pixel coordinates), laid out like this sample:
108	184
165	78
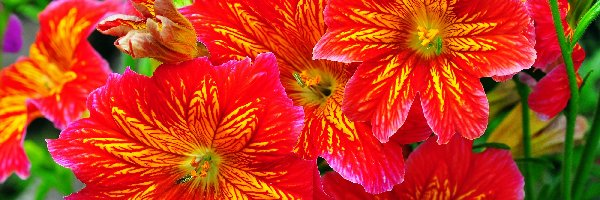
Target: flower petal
451	171
13	113
382	92
160	32
547	46
70	66
450	93
376	30
15	89
144	145
346	145
339	188
493	39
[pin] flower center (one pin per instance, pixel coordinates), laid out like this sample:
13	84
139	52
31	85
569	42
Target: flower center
204	168
426	35
314	82
427	41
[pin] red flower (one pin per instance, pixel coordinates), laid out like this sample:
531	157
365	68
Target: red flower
290	29
551	94
450	171
434	51
191	131
158	31
54	81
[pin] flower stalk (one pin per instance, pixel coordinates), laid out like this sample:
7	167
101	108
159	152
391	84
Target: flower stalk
524	93
587	159
572	108
584	23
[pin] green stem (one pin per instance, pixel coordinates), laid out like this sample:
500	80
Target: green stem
4	15
524	93
566	50
585	22
587	159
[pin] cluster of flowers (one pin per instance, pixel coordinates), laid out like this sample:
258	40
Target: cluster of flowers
286	81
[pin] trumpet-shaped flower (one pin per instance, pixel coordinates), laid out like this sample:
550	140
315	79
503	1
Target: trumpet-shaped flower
434	51
551	94
54	81
290	29
158	31
192	131
450	171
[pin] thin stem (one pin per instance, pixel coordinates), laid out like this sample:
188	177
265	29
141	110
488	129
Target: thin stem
585	22
4	15
524	93
587	159
566	50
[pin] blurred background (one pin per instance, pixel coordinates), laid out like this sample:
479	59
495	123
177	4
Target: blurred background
51	181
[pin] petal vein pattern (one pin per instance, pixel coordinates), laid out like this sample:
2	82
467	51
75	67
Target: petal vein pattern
438	49
53	81
174	136
290	29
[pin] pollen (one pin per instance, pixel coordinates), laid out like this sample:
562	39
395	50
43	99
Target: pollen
203	170
426	35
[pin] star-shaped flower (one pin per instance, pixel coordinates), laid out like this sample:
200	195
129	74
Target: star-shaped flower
192	131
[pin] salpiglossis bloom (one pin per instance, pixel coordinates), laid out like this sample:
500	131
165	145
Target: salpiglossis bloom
157	31
551	94
290	29
54	81
450	171
192	131
434	51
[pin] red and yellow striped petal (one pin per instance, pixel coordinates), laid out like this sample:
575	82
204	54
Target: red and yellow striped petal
350	148
239	29
382	92
454	102
453	171
145	134
450	171
15	115
490	39
361	30
70	67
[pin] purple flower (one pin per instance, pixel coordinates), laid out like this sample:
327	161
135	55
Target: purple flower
13	37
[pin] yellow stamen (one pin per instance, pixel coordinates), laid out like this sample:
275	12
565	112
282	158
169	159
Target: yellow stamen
426	36
308	80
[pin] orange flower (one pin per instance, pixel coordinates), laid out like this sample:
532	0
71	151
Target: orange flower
54	81
434	51
290	29
192	131
159	31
